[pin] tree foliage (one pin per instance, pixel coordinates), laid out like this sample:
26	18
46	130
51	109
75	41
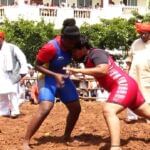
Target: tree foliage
140	18
110	34
115	33
28	35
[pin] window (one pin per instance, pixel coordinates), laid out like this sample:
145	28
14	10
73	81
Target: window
58	2
125	2
132	2
6	2
84	3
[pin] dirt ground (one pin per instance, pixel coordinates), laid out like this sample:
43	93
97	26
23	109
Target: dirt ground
90	132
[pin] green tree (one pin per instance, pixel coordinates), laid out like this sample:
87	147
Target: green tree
96	34
146	18
115	33
28	35
138	17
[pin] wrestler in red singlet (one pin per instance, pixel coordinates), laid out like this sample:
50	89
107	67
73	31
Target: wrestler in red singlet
123	89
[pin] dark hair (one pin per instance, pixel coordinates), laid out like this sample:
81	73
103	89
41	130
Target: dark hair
69	22
83	42
70	30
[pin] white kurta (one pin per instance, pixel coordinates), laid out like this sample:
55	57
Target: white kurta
5	82
9	102
140	68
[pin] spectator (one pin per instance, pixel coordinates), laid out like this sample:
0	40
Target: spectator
73	5
102	95
21	92
28	86
140	62
122	3
34	93
97	5
111	2
13	67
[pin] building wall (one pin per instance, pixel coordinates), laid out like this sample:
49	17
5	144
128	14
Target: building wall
70	2
36	1
54	15
139	2
117	2
29	1
94	2
142	3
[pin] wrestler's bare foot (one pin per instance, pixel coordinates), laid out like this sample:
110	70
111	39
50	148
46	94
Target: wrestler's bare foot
26	146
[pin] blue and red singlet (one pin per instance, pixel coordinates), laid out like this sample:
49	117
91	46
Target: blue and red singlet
56	58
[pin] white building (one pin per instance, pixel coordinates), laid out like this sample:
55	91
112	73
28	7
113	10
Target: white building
55	11
80	3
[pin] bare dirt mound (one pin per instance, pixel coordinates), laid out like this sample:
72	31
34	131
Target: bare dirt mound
90	132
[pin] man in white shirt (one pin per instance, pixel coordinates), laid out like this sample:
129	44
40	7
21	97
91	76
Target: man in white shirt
140	63
13	66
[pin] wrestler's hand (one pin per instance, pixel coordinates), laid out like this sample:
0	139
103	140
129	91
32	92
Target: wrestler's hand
60	79
71	70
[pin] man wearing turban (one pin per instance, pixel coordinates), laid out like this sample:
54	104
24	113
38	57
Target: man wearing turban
140	62
11	59
142	27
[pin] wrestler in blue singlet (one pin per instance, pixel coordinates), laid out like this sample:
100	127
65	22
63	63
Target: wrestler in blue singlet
48	86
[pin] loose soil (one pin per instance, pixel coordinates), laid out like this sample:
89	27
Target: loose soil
90	132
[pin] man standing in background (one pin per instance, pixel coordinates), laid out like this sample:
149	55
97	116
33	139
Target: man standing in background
13	66
140	63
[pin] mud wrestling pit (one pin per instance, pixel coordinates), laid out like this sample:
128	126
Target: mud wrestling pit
90	132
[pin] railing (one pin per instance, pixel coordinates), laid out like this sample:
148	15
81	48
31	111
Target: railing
48	12
2	13
79	13
129	9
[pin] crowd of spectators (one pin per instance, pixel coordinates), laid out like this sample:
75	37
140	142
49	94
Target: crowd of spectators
29	87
